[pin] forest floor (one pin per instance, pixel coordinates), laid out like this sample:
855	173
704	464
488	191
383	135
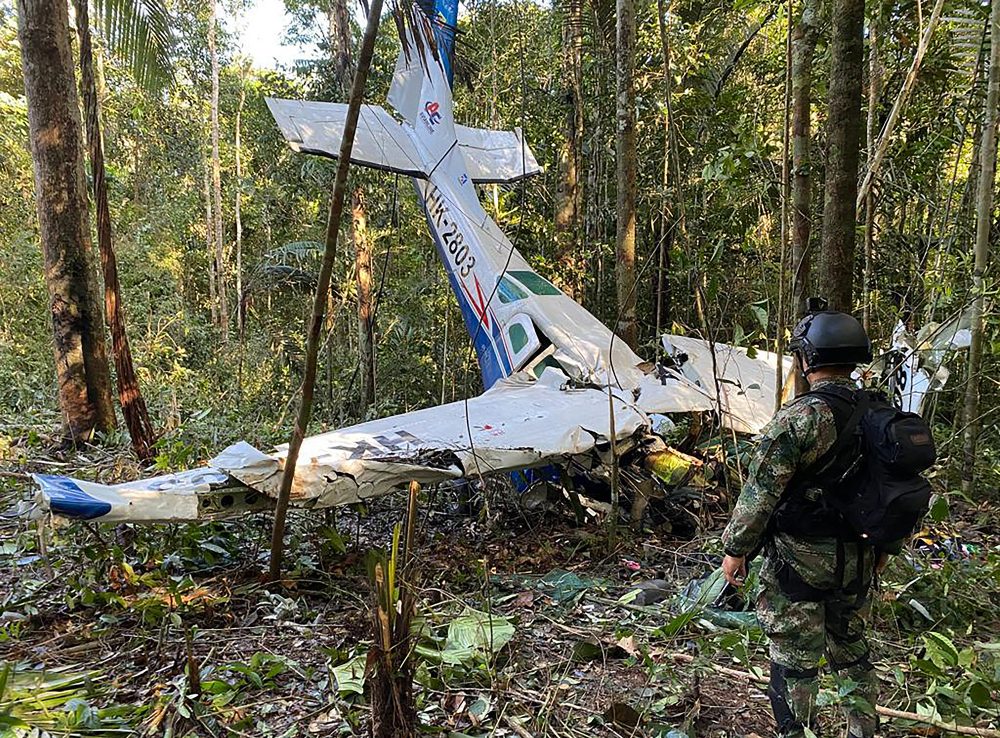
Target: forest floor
105	631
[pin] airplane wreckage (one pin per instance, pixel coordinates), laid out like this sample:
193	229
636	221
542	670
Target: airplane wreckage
562	391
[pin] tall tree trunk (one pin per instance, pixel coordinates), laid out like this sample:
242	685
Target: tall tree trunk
786	196
238	215
569	199
984	218
339	26
844	137
323	287
663	307
343	66
220	257
134	410
874	92
625	160
210	243
366	311
803	47
61	201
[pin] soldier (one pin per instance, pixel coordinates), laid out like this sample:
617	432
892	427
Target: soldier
814	580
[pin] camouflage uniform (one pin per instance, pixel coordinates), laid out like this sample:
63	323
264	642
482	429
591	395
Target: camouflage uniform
813	598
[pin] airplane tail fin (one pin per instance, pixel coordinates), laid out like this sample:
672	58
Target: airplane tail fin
421	84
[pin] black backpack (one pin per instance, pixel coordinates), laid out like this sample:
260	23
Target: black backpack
871	482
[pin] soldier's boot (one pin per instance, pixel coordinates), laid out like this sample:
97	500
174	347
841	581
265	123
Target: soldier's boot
793	699
862	720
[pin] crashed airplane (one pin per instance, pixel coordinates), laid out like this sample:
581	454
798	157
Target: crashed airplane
558	383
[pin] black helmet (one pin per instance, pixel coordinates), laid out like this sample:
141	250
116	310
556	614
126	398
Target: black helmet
831	338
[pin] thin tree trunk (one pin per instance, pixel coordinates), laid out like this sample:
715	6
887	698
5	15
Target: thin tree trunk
61	200
897	107
366	312
663	305
343	64
220	259
568	191
984	219
238	214
210	244
874	92
803	46
804	39
844	136
786	192
323	287
134	410
626	164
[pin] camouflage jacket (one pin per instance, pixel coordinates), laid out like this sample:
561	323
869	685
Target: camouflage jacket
800	433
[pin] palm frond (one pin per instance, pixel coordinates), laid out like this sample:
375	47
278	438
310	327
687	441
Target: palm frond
297	250
970	39
138	33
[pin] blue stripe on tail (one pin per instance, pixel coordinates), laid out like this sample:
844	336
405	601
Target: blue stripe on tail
444	15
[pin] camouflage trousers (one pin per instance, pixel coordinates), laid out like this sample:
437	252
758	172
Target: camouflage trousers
803	623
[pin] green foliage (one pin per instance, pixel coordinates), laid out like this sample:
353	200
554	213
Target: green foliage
56	702
472	637
138	32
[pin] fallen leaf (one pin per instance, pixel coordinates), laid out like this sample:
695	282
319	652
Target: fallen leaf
525	599
623	715
628	645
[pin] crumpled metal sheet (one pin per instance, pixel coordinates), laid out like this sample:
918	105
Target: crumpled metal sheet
672	394
746	385
517	424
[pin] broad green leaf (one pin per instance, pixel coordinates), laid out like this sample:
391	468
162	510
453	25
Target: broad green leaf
472	636
940	649
980	695
350	675
939	508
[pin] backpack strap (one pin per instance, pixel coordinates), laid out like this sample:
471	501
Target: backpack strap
838	399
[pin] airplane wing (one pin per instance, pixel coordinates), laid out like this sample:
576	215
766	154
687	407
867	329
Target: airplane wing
196	494
517	424
382	143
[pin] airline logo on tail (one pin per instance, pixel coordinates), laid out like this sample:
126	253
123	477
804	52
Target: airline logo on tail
431	115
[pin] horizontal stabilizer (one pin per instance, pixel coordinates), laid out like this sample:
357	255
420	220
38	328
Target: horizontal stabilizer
493	157
496	157
318	128
198	494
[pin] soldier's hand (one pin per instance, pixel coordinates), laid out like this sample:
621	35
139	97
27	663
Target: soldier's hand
734	569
